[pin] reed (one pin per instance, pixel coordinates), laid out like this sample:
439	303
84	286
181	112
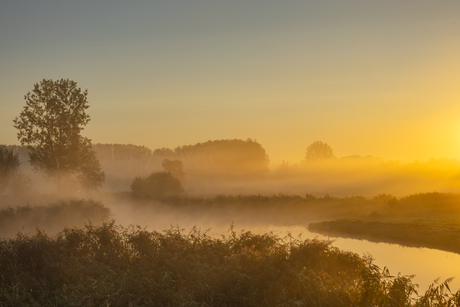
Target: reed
110	265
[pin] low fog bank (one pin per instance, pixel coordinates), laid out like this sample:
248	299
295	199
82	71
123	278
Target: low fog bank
250	212
219	183
242	167
217	214
51	218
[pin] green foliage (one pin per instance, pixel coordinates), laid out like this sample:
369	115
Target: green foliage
159	185
50	125
116	266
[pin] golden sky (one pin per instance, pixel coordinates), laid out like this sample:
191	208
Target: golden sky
375	78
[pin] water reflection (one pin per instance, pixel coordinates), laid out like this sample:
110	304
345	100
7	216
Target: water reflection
426	264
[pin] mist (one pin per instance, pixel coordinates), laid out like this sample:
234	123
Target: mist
227	182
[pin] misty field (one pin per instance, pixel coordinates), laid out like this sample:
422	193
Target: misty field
199	153
78	247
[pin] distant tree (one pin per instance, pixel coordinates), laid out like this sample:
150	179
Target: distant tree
50	126
175	167
159	185
225	157
90	175
163	152
9	167
318	151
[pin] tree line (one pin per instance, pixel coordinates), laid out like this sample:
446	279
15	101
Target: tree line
50	125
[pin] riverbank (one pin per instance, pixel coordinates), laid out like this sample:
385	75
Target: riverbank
117	266
417	233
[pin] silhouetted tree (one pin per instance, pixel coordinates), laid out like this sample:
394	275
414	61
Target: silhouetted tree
163	152
175	167
225	157
50	126
159	185
9	167
319	151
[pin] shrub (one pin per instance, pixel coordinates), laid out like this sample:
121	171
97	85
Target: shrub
117	266
159	185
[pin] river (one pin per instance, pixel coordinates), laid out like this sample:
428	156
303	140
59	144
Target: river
426	264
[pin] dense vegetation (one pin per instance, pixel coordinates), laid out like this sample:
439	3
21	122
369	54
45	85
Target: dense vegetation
50	125
212	158
408	234
422	220
116	266
159	185
52	218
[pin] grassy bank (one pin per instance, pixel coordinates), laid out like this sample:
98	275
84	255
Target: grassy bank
116	266
417	234
277	209
420	220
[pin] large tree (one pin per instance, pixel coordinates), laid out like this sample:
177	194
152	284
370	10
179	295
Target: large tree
175	167
50	125
318	151
9	167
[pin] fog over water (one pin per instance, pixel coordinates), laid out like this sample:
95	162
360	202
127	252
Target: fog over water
239	190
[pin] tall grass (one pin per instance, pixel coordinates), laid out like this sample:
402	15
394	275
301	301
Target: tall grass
130	266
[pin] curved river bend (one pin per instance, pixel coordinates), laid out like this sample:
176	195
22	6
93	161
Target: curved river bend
426	264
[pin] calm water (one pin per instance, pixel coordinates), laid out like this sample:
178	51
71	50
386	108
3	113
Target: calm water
426	264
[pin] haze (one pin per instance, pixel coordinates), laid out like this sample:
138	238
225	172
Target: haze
373	78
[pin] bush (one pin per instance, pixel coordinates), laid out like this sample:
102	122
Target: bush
116	266
159	185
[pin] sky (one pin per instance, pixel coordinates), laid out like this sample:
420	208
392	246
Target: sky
367	77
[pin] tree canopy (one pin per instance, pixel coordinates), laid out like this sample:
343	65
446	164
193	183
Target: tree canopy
220	157
9	167
175	167
159	185
318	151
50	125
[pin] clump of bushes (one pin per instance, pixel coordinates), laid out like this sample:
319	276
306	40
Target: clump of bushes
52	218
117	266
159	185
